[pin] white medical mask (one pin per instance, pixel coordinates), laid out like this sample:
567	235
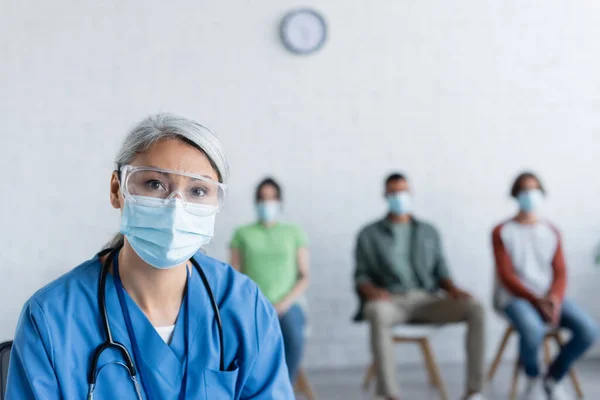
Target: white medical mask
268	210
399	203
530	200
166	235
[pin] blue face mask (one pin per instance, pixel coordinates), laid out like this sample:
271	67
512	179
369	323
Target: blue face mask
530	200
166	235
268	211
399	203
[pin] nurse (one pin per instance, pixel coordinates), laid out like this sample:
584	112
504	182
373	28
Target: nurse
164	300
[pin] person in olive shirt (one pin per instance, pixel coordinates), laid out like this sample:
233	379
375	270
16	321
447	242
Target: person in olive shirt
275	256
400	269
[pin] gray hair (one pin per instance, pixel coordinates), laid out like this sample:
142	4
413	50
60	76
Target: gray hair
162	126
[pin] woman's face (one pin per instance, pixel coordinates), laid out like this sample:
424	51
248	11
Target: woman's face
529	183
172	154
268	193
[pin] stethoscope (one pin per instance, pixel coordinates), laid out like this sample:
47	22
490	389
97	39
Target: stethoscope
111	343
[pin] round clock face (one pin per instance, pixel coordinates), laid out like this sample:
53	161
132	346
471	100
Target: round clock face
303	31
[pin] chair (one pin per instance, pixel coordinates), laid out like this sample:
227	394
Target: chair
5	349
303	387
551	335
418	334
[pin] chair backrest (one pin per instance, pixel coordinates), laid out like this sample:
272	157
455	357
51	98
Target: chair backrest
5	349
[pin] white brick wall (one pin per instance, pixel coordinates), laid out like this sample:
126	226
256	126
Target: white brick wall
460	95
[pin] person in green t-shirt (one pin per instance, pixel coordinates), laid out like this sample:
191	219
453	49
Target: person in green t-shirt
275	256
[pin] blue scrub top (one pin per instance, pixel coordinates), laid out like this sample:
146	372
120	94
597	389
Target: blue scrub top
60	328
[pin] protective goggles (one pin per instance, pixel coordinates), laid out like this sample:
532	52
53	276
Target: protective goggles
156	187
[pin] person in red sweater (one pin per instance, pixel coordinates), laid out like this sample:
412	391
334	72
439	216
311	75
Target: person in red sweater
531	271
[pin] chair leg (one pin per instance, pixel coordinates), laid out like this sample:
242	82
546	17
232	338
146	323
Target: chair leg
515	380
433	367
572	373
303	385
369	375
499	353
576	383
429	364
547	351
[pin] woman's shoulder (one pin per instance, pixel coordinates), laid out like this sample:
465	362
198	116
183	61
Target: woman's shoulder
246	229
291	227
512	224
59	293
499	226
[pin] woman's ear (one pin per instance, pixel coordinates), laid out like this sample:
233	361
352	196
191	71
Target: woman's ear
115	192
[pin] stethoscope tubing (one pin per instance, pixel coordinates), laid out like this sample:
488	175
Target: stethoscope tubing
111	343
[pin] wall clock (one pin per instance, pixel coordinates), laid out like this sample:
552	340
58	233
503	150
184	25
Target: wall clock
303	31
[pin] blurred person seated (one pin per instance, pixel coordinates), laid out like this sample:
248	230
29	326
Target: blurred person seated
532	278
275	256
400	269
